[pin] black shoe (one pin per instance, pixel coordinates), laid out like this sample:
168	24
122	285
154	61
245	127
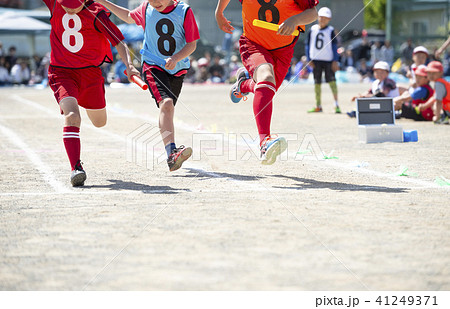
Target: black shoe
178	156
78	175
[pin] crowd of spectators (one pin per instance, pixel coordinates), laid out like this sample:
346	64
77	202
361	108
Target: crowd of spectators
217	68
22	71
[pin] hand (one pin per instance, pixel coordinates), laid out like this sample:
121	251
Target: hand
131	70
335	66
224	24
311	64
287	27
170	63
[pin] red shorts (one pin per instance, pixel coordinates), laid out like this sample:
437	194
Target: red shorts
253	55
85	85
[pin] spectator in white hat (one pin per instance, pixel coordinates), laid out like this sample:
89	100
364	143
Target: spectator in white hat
420	57
382	86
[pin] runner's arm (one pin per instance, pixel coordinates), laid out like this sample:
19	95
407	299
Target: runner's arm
121	12
186	51
304	18
223	23
122	49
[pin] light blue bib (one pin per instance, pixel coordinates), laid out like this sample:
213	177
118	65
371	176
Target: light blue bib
164	36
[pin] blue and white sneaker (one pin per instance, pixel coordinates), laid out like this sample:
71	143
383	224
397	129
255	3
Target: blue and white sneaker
271	148
235	93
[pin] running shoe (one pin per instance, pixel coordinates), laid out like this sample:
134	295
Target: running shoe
271	148
78	175
235	93
315	110
178	156
442	120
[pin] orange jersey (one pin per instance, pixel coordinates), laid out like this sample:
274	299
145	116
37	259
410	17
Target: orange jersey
273	11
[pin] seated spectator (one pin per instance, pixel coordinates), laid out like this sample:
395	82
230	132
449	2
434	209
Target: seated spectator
302	69
435	71
216	70
409	103
420	56
5	78
382	86
347	60
11	58
42	70
20	73
364	71
192	72
202	72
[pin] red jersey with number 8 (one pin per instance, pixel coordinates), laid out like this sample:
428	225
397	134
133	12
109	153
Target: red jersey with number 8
75	39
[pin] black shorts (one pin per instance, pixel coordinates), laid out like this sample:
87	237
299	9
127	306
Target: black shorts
409	112
319	67
163	85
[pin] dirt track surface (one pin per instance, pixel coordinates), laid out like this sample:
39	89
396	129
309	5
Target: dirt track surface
222	222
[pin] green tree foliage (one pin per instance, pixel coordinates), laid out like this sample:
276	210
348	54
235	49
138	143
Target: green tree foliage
375	14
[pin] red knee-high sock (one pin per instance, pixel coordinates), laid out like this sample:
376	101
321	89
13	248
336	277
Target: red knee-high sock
248	85
71	138
262	107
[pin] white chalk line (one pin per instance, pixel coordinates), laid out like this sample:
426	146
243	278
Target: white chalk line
334	164
141	192
195	166
45	171
183	126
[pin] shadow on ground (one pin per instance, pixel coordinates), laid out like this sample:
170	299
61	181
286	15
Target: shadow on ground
193	172
304	184
134	186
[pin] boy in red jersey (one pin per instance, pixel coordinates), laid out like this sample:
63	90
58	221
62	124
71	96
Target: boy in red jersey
79	38
266	56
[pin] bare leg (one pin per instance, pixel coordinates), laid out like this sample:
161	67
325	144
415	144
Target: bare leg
71	111
166	127
98	117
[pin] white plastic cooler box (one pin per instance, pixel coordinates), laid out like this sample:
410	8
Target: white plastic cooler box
376	121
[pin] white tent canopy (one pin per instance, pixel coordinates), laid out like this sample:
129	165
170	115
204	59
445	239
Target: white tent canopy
29	35
12	23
